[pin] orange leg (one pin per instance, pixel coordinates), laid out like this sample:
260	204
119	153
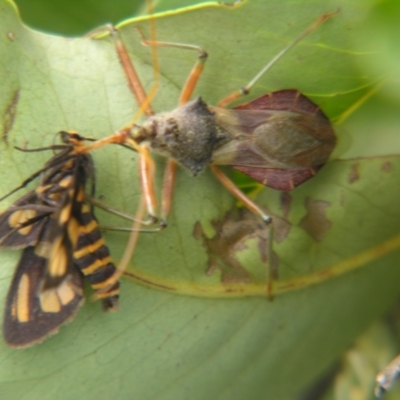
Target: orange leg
146	168
111	210
246	89
193	78
186	93
130	72
119	137
191	81
168	191
253	207
146	172
143	99
129	249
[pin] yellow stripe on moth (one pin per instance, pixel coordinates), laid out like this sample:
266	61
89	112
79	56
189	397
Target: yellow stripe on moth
106	295
91	248
80	195
42	189
20	307
68	165
108	282
96	265
49	301
65	214
73	231
52	300
90	227
58	260
66	292
17	218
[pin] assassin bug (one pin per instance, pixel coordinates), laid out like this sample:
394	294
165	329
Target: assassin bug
61	243
280	139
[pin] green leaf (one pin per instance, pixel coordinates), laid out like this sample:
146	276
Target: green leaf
75	17
336	237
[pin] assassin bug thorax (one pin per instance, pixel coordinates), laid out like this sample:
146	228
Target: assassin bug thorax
61	243
280	139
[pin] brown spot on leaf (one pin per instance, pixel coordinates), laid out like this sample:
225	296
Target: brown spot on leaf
232	233
354	174
315	223
198	232
281	228
387	166
285	200
9	116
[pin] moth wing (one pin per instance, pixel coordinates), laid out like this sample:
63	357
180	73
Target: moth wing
22	223
31	314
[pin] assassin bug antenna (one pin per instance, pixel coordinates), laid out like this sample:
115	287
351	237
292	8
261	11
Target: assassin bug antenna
280	139
245	90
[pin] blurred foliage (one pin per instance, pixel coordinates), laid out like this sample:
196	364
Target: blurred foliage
76	17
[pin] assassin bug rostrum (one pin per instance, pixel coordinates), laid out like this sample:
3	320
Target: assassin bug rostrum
61	244
280	139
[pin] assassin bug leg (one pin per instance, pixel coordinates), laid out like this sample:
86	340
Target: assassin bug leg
129	249
121	214
196	71
130	72
186	93
229	185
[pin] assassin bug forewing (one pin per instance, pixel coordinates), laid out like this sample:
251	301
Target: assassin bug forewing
280	139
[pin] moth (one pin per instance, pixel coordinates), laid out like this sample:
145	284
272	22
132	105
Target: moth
61	245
